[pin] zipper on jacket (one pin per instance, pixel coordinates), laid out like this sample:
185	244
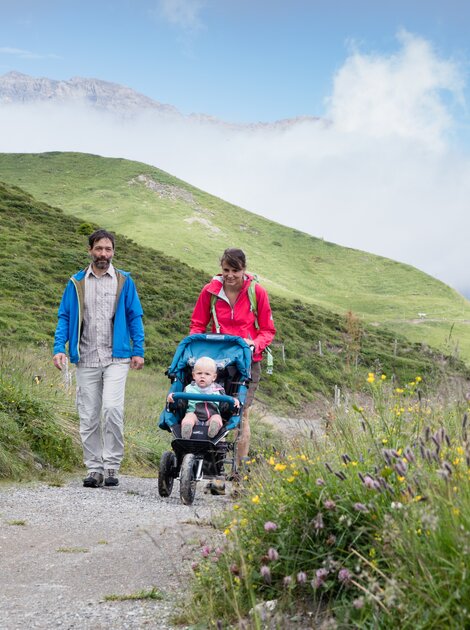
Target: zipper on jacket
79	317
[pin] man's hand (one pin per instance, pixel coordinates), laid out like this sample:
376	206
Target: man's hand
170	397
59	359
236	402
137	363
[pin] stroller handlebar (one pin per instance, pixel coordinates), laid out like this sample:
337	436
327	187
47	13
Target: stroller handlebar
219	398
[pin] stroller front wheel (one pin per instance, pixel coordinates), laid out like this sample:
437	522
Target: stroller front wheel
166	473
188	479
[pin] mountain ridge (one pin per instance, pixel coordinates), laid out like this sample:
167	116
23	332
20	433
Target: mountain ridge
19	88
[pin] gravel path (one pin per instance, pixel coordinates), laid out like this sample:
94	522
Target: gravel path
64	549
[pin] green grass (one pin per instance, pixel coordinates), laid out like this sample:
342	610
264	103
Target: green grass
154	593
195	227
31	287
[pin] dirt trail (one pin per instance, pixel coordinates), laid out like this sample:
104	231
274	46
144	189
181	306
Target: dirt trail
64	549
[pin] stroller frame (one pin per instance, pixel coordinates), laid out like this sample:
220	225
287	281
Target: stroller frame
200	457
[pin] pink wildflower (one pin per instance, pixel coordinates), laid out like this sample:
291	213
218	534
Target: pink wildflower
360	507
265	573
287	581
358	603
301	577
320	482
329	504
269	526
205	551
344	575
273	554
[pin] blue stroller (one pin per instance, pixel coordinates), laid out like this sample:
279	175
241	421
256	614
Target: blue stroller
200	457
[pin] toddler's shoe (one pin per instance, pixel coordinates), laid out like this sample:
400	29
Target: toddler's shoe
186	430
214	428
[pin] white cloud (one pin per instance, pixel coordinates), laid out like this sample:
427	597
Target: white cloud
381	176
183	13
397	96
25	54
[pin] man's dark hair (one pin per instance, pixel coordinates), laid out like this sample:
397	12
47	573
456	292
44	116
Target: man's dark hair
234	257
98	235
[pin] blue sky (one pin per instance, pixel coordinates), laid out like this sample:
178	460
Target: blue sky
390	171
239	60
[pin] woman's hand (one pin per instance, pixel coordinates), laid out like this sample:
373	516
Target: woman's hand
250	342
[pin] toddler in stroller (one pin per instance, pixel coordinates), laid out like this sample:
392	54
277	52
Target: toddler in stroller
203	453
200	412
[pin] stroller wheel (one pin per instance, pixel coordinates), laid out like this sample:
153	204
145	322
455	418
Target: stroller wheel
188	479
166	474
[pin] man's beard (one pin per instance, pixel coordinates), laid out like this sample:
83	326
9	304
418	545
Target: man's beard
101	263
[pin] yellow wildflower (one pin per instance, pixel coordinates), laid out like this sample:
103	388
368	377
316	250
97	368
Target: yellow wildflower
418	379
291	479
271	461
255	499
371	377
280	467
383	377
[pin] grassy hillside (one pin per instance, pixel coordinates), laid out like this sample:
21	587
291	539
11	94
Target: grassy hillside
162	212
40	247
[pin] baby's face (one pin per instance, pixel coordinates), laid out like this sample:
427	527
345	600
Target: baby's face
204	374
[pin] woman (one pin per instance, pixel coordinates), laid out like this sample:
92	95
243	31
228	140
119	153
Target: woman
226	301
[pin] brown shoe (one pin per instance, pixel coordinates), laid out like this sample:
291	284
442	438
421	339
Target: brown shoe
94	480
111	478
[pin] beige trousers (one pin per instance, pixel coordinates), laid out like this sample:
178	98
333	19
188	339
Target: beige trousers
100	404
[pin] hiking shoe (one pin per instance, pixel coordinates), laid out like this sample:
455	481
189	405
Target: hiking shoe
214	428
111	478
186	430
94	480
217	487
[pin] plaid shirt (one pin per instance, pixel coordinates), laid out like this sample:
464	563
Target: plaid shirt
96	341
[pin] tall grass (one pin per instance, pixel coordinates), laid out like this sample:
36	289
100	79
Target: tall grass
39	427
368	527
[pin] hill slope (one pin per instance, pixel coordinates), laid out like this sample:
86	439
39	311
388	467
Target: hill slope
40	247
160	211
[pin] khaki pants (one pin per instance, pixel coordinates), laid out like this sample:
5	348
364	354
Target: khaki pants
100	404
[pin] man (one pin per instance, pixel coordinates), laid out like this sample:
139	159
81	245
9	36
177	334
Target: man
100	316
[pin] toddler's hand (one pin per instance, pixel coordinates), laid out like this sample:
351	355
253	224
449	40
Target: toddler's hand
236	402
170	398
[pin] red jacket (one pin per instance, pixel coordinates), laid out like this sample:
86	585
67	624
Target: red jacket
239	319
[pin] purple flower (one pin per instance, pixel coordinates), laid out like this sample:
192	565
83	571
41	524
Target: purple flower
358	603
205	551
287	581
329	504
344	575
320	577
234	569
318	521
301	577
218	551
265	573
194	566
360	507
269	526
320	482
273	554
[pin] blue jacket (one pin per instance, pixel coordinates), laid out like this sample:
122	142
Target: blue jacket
127	327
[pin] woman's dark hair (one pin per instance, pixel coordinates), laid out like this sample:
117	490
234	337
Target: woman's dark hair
98	235
234	257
